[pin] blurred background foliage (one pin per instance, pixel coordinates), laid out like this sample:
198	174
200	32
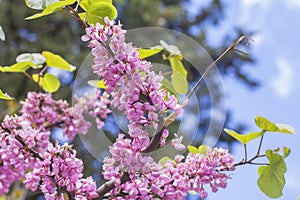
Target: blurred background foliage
60	34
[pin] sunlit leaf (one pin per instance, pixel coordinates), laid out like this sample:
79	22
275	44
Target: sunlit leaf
85	4
57	61
172	49
52	8
163	160
286	152
37	58
177	65
179	83
2	35
18	67
203	149
37	78
96	12
285	128
50	83
271	178
244	138
145	53
192	149
97	83
39	4
168	86
5	96
267	125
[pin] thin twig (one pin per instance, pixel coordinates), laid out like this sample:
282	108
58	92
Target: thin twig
30	150
245	149
154	143
260	143
76	16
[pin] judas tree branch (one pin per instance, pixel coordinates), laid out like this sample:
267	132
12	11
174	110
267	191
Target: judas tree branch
154	143
109	185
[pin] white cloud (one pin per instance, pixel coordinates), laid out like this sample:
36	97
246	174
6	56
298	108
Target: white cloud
283	82
293	3
253	11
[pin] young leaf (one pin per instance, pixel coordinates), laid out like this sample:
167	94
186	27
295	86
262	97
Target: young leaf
18	67
192	149
168	86
267	125
39	4
36	58
203	149
179	83
97	83
271	178
286	152
285	128
145	53
244	138
97	11
173	50
2	35
52	8
177	65
50	83
5	96
85	4
163	160
57	61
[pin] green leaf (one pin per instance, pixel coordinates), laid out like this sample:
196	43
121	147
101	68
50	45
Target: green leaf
145	53
173	50
179	83
179	75
39	4
267	125
168	86
5	96
192	149
85	4
37	58
177	65
271	178
286	152
57	61
37	78
285	128
2	35
244	138
50	83
18	67
97	12
97	83
203	149
52	8
163	160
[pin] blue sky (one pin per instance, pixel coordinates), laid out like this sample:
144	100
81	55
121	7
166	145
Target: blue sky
276	49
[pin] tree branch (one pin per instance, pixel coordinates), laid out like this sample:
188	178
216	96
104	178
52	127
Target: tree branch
109	185
154	143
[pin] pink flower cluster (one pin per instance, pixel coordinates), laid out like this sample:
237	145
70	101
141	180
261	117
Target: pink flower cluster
60	172
15	160
171	180
96	105
134	86
45	113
